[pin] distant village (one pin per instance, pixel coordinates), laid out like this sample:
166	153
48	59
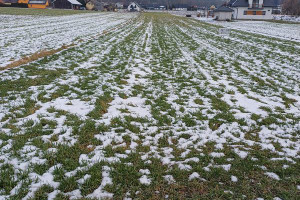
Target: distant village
231	9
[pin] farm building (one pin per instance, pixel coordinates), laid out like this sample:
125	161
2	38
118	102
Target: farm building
27	3
66	4
254	9
134	7
223	13
3	2
180	7
153	7
38	3
161	8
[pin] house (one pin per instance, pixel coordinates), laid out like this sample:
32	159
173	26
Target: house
66	4
179	7
223	13
6	2
38	4
149	7
254	9
119	5
162	8
134	7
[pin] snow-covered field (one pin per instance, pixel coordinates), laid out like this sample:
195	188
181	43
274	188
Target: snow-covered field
276	30
162	107
287	18
25	35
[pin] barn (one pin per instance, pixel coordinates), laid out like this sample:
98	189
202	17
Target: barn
66	4
223	13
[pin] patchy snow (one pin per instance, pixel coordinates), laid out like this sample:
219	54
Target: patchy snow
31	34
194	175
145	171
145	180
45	179
180	95
272	175
82	180
106	180
170	179
265	28
260	27
225	167
234	179
217	155
241	154
135	105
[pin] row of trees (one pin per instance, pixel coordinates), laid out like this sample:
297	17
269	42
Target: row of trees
168	2
289	7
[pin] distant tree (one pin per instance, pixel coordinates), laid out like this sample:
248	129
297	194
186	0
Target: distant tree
169	2
291	7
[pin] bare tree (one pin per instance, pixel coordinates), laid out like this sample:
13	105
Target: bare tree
168	4
291	7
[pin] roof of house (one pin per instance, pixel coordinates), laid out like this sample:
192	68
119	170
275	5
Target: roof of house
223	9
75	2
37	1
244	3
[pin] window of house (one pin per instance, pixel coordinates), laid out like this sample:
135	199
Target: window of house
255	4
246	12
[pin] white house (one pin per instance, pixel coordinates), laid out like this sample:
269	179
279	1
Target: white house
223	13
162	8
134	7
179	9
253	9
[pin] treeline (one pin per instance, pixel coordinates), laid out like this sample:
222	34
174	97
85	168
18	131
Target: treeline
171	2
